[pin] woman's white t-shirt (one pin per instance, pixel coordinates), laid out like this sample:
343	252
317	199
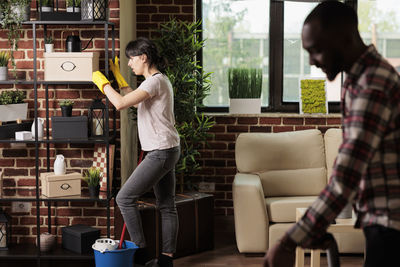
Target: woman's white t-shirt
156	121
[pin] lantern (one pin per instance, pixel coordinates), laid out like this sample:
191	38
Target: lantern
97	118
93	10
5	230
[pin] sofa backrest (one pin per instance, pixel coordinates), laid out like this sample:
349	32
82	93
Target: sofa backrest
333	139
289	163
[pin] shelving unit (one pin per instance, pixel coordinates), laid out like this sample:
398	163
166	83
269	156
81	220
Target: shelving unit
31	251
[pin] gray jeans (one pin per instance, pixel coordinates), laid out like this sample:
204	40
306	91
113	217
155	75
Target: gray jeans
157	170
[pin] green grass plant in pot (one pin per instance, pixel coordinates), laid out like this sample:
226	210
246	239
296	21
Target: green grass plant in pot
245	86
73	6
66	107
48	44
4	59
92	177
178	43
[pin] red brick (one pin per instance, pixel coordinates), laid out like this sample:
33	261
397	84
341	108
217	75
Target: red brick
260	129
146	26
14	153
332	121
160	17
215	163
278	129
85	221
27	220
6	162
95	212
238	129
301	128
315	121
226	171
26	182
26	162
247	120
168	9
15	172
67	94
8	182
69	212
103	222
187	9
81	163
218	129
216	145
268	120
224	154
146	9
225	137
293	121
142	18
20	230
113	4
187	18
184	2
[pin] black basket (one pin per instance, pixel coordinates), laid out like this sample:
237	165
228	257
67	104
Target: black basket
93	10
54	13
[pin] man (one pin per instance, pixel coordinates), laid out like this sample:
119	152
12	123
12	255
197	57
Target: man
367	169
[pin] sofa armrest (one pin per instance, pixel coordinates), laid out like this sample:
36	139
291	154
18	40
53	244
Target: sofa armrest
251	218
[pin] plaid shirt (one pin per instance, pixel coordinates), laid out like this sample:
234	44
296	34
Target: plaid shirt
367	168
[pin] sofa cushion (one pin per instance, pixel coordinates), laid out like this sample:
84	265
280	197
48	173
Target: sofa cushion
283	209
303	182
260	152
332	139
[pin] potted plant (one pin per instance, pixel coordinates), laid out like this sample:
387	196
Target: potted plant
4	58
48	44
46	5
178	44
12	106
74	6
92	177
14	13
66	107
245	87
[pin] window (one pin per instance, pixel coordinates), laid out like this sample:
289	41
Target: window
259	34
379	25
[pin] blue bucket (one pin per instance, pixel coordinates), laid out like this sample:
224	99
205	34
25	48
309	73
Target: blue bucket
116	258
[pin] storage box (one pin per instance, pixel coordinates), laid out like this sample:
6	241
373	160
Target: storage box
79	238
23	135
61	185
8	130
69	127
70	66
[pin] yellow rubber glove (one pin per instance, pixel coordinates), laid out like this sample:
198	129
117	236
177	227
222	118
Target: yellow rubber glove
114	67
100	80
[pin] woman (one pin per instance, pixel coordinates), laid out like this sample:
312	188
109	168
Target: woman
158	137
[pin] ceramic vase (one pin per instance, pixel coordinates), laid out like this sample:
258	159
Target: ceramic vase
59	165
47	242
3	73
40	122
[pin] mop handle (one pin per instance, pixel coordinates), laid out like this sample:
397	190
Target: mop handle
124	228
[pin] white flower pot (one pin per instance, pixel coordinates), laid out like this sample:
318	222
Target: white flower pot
47	9
71	9
13	112
245	105
3	73
49	48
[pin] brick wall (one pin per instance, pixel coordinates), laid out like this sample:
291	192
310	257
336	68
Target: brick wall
218	160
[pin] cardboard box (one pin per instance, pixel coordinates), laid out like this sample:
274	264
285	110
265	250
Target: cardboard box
69	127
61	185
79	238
23	135
70	66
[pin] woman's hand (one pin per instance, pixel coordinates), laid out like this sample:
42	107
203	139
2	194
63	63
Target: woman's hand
114	67
100	80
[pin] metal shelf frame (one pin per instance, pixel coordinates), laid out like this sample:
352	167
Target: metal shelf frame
32	251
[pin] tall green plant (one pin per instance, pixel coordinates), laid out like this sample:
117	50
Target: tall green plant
178	43
244	83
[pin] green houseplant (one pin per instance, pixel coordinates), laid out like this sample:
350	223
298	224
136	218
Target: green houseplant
48	44
66	107
12	106
313	96
14	13
178	44
245	86
92	177
4	59
71	7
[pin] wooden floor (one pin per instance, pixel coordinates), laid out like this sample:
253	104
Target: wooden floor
226	253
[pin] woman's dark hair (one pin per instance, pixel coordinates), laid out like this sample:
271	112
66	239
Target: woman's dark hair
142	46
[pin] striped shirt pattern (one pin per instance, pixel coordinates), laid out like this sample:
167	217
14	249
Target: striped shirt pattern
367	169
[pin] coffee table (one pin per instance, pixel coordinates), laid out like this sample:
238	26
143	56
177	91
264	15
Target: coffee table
341	226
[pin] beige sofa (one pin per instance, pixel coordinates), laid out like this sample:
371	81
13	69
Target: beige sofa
277	173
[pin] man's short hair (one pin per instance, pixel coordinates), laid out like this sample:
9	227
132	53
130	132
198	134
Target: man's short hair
334	15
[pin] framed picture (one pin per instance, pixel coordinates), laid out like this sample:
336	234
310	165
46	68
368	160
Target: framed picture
313	99
100	161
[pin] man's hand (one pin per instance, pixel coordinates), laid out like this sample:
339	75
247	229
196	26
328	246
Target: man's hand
114	67
100	80
282	254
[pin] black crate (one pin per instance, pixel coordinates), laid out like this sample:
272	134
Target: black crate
8	130
79	238
70	127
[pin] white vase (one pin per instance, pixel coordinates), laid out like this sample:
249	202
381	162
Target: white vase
3	73
59	165
40	128
49	48
245	105
71	9
47	9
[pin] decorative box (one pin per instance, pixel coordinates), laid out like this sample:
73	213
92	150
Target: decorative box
79	238
69	127
61	185
23	135
70	66
8	130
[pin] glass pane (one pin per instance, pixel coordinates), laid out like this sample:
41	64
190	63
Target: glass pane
295	60
236	34
379	24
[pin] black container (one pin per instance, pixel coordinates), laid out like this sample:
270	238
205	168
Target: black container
66	111
79	238
8	130
70	127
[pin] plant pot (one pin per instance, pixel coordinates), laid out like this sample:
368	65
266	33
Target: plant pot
245	105
70	9
66	111
47	242
47	9
3	73
49	48
13	112
94	191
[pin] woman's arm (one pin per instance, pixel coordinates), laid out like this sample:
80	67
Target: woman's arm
132	98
